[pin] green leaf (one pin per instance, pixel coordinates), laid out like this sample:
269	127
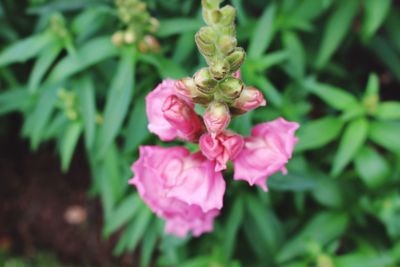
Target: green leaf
336	29
14	100
25	49
170	27
386	53
166	67
91	53
87	107
234	221
263	33
138	227
386	134
329	192
388	111
68	143
375	14
372	167
372	85
363	260
353	139
296	55
333	96
122	214
322	228
148	245
269	90
42	65
137	126
265	62
317	133
61	5
118	99
291	182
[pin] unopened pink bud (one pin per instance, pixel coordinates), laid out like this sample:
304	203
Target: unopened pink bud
182	117
217	117
250	98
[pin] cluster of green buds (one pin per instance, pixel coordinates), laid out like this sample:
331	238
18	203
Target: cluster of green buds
68	103
219	87
59	28
139	26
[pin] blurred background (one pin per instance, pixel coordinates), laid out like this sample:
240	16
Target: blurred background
73	77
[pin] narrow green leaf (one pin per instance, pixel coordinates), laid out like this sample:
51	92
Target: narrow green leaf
138	227
372	167
89	54
122	214
386	134
322	228
353	139
386	53
296	55
372	85
388	111
234	221
336	29
14	100
291	182
148	245
118	99
363	260
265	62
333	96
68	143
25	49
42	65
166	67
61	5
178	25
263	33
375	14
317	133
87	107
137	126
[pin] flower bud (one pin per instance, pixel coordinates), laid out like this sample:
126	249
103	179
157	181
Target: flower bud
219	69
129	37
118	38
236	58
228	15
250	98
204	81
205	41
227	44
182	117
154	25
187	88
152	43
217	117
231	88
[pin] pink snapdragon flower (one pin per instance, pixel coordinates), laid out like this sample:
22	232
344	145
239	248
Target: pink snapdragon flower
267	151
250	98
217	117
183	118
158	124
180	187
225	146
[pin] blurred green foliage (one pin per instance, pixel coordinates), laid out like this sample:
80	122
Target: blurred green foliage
332	65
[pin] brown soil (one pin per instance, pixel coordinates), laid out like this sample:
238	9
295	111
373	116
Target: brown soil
34	199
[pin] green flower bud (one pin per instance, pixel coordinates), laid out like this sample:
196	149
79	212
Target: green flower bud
205	41
236	58
219	69
129	37
228	15
227	44
118	38
215	16
231	88
204	81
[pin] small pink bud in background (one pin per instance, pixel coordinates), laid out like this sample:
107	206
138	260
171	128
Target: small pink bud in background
225	146
154	102
236	74
267	151
183	118
250	98
217	117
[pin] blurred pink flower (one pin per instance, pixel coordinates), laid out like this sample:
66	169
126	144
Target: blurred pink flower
225	146
236	74
217	117
250	98
154	103
267	151
180	187
183	118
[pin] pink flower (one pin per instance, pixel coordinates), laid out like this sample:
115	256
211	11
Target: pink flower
183	118
154	102
267	151
225	146
236	74
250	98
217	117
180	187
